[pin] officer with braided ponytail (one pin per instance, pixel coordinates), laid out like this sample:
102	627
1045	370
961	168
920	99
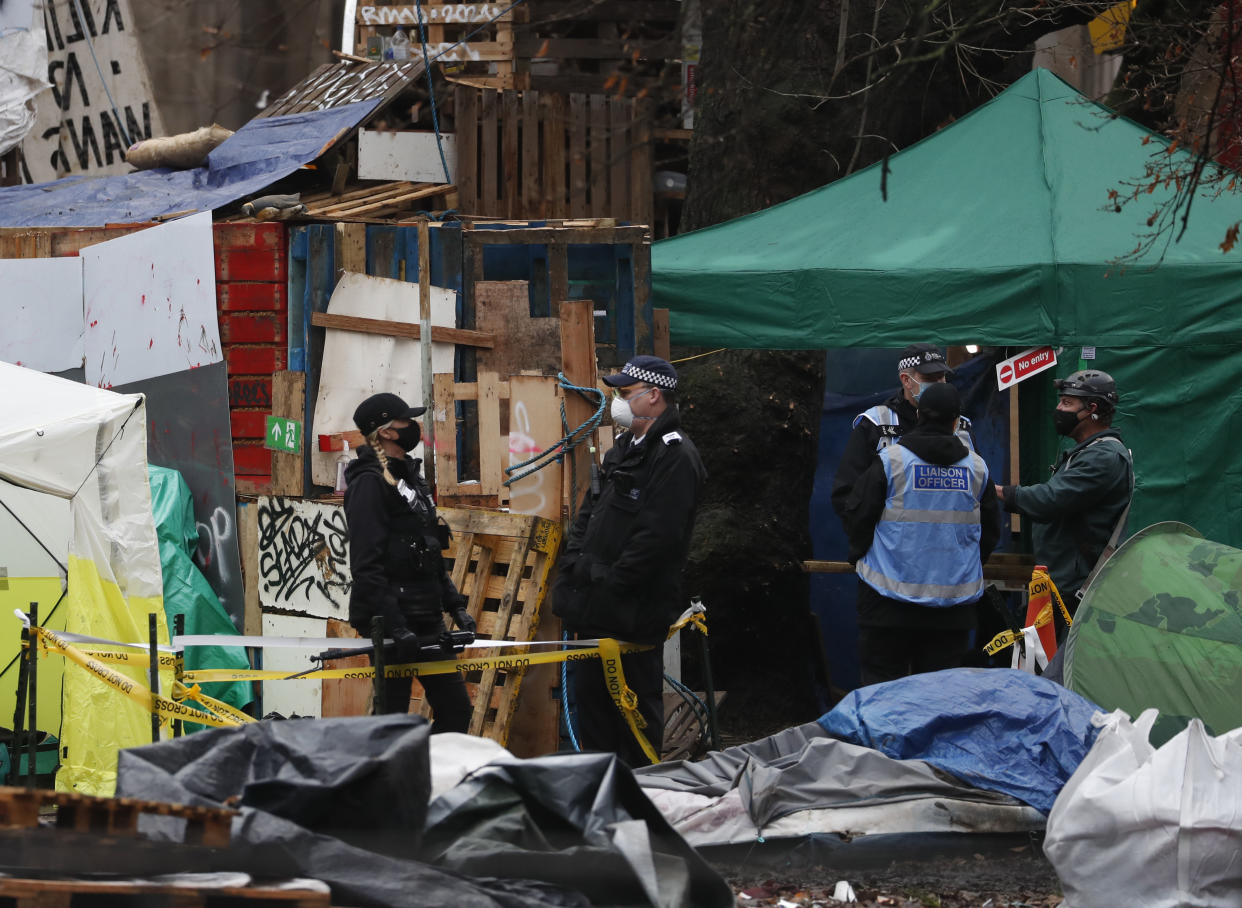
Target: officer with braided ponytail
395	555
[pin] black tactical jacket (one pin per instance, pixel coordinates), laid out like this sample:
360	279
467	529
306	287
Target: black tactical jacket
620	575
395	544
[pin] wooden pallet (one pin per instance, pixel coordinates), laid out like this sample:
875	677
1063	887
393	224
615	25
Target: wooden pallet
383	200
540	155
502	562
19	807
23	893
473	39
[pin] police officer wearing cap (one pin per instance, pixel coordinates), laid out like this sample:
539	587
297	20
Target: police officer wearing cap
921	521
1084	503
918	368
395	556
620	575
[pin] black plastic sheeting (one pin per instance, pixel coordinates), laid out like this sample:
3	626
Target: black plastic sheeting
577	820
343	799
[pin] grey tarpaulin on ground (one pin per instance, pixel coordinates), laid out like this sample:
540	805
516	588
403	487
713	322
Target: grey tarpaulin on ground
802	782
344	799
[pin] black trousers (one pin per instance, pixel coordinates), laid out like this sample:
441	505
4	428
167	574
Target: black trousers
889	653
446	693
600	725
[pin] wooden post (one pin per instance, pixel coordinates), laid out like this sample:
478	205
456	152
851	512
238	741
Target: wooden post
660	336
1015	524
289	402
153	672
578	364
424	345
467	176
350	249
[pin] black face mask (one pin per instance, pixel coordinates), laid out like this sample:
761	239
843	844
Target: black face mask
1064	421
409	437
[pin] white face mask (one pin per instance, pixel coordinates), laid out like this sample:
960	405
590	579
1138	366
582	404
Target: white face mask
621	413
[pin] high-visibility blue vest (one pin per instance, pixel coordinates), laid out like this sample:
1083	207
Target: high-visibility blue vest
884	417
926	545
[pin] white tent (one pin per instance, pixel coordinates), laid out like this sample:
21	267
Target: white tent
75	517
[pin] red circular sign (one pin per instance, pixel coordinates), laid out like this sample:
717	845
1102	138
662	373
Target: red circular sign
1006	373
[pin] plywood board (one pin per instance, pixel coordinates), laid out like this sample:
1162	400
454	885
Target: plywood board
347	696
150	303
523	343
303	697
534	426
356	365
303	558
41	311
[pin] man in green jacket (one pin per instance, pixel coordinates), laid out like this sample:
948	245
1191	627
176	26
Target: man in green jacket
1075	512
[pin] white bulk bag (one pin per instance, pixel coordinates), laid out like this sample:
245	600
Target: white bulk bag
1138	826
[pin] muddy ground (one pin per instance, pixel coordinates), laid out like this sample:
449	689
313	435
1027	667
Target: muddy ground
1007	873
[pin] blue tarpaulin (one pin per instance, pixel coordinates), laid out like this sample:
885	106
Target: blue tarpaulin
996	728
257	155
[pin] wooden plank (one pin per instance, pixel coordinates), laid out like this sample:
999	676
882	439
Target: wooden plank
592	235
464	336
524	343
490	443
356	209
445	415
467	148
248	549
390	16
640	259
489	156
532	195
660	336
619	111
1015	521
597	151
510	191
578	364
25	244
289	401
346	696
535	426
351	248
640	162
424	316
558	278
28	893
554	157
577	156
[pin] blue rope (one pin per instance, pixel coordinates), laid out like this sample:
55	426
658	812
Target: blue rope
569	725
431	90
571	440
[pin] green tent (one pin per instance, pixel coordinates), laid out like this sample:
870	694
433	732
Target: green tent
1161	625
995	232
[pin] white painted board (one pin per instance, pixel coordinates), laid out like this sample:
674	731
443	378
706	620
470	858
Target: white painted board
303	697
150	300
79	132
303	558
356	365
405	155
41	311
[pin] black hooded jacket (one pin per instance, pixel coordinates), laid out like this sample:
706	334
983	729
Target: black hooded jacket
620	575
864	506
394	545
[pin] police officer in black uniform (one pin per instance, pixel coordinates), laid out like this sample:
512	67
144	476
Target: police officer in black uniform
395	556
620	575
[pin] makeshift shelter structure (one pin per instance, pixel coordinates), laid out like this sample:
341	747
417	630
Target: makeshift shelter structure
999	230
74	490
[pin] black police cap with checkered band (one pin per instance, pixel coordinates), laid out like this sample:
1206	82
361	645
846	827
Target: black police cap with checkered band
649	369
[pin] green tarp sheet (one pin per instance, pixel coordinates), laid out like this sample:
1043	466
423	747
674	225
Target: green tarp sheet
995	232
186	591
1161	625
